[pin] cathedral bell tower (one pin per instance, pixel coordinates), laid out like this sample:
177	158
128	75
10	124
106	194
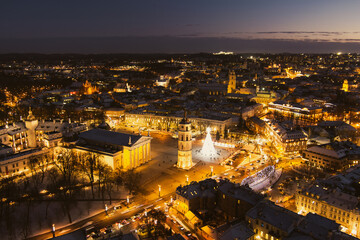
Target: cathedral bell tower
232	82
185	144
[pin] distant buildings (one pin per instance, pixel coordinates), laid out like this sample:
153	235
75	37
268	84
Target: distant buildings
89	89
265	96
345	86
333	156
232	82
302	115
162	82
213	89
169	122
285	136
122	88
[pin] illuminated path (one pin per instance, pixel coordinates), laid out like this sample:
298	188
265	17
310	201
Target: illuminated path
102	220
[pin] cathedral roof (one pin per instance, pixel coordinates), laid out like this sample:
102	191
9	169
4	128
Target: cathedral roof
110	137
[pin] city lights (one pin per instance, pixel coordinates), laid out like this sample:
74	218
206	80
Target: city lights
149	146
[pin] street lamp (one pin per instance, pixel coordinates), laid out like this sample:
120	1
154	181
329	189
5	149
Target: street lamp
187	179
53	230
212	170
159	190
127	199
106	209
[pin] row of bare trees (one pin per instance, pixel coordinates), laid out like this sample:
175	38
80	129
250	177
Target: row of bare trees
62	178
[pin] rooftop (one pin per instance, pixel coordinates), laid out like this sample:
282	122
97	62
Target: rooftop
279	217
110	137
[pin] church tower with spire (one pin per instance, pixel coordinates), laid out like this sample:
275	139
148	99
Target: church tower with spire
345	86
185	144
31	123
232	82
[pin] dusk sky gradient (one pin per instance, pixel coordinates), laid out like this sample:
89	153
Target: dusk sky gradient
292	20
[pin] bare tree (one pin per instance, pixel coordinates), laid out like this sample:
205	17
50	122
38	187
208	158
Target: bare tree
108	181
64	180
88	164
118	177
100	170
132	181
40	163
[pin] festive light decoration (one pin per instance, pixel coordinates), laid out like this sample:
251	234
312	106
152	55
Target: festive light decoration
208	148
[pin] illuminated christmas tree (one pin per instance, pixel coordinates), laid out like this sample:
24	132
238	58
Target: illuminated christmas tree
208	148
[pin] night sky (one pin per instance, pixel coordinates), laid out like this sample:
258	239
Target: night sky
183	26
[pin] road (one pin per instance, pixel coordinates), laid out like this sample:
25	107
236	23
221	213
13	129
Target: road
159	172
102	219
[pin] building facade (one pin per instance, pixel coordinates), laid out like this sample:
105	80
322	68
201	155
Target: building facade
170	123
265	96
185	145
285	137
32	133
302	115
335	199
333	156
117	150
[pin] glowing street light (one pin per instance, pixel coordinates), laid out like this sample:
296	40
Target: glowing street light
127	199
212	170
53	230
187	179
159	190
106	209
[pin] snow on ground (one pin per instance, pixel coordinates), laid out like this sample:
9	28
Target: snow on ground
25	220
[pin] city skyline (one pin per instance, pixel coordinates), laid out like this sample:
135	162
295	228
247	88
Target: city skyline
144	27
180	120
